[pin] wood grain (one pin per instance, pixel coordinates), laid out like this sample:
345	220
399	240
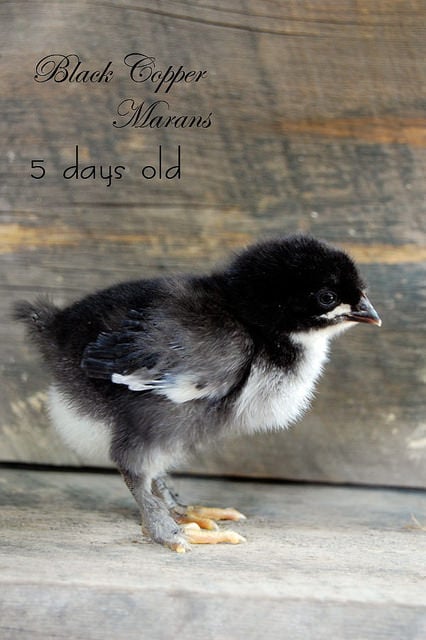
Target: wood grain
74	563
318	125
17	238
384	130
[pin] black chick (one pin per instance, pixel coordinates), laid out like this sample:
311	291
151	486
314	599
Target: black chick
147	370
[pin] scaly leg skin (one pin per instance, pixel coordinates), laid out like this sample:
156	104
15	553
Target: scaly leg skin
197	518
157	523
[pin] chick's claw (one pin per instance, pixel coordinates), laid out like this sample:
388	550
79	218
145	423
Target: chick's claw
179	547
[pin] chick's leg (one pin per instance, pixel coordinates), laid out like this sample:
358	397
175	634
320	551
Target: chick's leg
199	523
157	523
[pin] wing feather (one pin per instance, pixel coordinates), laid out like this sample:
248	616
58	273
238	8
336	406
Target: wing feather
156	353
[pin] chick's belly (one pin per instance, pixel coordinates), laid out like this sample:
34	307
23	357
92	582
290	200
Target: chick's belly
89	438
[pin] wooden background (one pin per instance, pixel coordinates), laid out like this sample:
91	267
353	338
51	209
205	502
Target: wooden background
318	125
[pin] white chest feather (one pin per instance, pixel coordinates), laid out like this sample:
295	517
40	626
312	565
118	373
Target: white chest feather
273	398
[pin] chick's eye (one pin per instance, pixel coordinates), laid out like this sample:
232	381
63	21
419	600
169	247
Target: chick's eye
326	298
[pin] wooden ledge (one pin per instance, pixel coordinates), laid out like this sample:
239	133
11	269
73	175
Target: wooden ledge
320	562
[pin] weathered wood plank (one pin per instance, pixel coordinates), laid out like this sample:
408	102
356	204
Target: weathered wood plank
328	563
317	125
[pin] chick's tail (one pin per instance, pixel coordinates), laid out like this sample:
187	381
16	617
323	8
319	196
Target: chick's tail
39	318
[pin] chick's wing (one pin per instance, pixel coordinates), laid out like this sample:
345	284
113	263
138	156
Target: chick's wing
159	353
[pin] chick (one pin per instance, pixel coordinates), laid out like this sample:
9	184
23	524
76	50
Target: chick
148	370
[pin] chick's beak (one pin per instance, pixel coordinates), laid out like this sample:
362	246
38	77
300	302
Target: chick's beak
364	312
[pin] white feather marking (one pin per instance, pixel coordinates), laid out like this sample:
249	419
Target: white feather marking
179	389
341	310
89	438
184	389
273	398
135	383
